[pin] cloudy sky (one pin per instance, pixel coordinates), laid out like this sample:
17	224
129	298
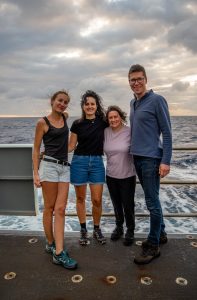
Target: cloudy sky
47	45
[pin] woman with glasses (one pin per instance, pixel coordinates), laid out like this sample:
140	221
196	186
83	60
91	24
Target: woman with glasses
87	136
52	173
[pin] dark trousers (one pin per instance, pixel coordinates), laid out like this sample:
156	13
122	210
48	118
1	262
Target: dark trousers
147	169
122	193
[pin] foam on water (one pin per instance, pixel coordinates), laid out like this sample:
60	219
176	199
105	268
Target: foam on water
174	199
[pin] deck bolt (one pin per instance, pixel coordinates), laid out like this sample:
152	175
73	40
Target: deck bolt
10	275
33	240
138	243
111	279
77	278
146	280
189	237
181	281
193	244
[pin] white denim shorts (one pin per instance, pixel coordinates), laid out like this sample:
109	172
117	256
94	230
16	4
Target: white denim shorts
52	172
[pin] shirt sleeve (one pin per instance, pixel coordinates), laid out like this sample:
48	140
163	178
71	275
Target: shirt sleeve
74	127
163	118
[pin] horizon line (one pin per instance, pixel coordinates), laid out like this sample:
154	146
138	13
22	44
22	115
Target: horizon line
40	116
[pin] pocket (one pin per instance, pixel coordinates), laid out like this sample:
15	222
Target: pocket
41	169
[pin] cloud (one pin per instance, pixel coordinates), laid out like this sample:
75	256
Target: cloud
78	45
180	86
185	34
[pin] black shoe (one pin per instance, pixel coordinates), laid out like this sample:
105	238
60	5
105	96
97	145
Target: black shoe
129	237
162	240
117	233
148	254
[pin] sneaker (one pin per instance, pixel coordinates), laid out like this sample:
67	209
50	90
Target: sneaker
148	254
129	237
64	260
97	235
50	248
84	238
117	233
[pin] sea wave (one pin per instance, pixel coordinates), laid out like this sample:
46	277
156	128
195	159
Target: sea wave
174	198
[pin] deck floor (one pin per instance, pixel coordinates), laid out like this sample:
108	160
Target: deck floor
37	278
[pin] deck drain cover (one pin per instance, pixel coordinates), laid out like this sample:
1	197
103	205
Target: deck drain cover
111	279
77	278
10	275
138	243
33	240
181	281
193	244
146	280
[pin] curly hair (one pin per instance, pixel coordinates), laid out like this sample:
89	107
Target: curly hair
121	113
100	112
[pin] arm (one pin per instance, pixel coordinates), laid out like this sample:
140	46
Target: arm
36	151
72	142
165	127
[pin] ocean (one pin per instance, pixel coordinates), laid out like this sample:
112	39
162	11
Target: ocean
174	198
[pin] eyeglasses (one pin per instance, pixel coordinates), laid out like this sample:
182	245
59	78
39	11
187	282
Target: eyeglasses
138	80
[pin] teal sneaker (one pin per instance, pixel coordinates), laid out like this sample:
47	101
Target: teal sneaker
64	260
50	248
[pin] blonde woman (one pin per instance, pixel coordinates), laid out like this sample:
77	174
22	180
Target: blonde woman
52	174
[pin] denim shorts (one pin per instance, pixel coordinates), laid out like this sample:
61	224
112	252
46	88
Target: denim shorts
52	172
87	169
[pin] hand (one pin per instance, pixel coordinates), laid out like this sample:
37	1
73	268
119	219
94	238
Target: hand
164	170
37	181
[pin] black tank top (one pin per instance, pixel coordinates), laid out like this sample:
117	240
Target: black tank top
56	141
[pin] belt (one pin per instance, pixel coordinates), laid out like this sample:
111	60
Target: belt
56	161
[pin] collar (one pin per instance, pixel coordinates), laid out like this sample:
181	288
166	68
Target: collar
145	95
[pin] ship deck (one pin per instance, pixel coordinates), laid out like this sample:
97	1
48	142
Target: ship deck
39	279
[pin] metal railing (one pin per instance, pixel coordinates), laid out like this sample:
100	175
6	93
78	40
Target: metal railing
165	182
19	157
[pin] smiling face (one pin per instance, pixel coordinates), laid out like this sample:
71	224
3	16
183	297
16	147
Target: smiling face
90	107
137	82
60	103
114	119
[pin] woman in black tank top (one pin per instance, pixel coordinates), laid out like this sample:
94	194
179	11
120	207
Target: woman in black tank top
52	173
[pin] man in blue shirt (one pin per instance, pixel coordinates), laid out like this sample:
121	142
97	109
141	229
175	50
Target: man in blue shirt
150	120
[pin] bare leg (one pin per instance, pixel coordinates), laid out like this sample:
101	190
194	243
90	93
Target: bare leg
81	205
49	190
96	197
59	220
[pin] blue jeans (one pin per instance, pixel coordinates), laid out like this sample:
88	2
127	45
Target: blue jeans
86	169
147	169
